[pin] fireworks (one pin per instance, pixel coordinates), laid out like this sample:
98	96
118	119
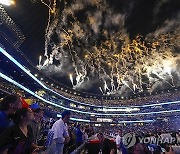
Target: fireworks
88	42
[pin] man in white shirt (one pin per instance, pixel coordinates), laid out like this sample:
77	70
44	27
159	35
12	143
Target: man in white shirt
61	135
118	141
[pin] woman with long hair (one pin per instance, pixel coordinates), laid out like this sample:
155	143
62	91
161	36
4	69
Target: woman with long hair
18	139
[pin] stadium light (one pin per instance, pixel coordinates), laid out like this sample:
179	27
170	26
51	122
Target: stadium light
74	110
7	2
5	53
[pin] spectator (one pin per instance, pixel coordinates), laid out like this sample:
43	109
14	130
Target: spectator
119	140
8	106
85	135
140	148
36	125
18	138
79	136
106	146
61	135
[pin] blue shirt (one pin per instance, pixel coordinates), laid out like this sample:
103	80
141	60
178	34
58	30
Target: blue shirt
79	136
4	121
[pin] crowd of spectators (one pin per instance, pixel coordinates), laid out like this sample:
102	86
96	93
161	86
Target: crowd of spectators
167	96
153	99
17	128
79	133
23	130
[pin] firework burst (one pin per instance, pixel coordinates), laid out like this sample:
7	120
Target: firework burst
88	42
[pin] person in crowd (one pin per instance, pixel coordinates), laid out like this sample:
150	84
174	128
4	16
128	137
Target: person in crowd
48	125
51	120
79	136
18	139
119	140
8	106
74	132
60	134
178	137
68	148
171	151
85	135
36	125
119	143
167	149
106	147
140	148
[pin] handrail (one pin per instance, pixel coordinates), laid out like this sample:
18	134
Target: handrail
77	151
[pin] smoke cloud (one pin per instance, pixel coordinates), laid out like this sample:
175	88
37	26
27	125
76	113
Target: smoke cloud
90	42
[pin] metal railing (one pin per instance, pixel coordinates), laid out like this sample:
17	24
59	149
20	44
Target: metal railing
79	149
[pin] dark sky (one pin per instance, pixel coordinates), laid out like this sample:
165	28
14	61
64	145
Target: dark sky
31	17
142	17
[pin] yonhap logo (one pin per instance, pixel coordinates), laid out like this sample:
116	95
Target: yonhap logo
129	140
157	140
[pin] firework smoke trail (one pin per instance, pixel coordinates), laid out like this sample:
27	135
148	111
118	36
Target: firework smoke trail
71	79
93	50
40	58
125	83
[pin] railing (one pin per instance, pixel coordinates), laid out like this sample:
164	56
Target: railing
79	149
82	146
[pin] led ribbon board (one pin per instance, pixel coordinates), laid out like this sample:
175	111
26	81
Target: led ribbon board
90	113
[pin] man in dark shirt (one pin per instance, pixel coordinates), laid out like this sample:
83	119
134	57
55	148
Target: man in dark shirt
106	147
8	106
